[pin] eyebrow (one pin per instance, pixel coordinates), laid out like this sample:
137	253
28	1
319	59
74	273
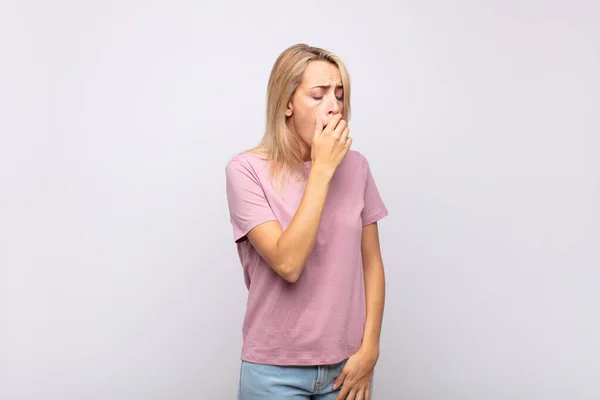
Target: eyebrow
327	87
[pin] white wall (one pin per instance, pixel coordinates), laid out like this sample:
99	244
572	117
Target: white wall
118	273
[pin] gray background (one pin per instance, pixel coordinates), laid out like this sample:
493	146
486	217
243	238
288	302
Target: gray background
119	277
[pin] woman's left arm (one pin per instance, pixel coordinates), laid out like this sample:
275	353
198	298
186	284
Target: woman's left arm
374	287
358	371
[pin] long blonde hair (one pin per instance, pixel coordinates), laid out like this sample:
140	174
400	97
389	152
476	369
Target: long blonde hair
279	145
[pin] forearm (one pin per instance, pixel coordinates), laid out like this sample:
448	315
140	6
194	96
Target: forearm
375	299
297	241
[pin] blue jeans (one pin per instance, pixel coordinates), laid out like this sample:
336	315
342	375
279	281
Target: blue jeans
274	382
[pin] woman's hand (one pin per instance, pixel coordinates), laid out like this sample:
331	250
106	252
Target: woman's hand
356	376
330	145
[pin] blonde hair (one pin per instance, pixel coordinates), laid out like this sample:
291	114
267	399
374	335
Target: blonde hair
279	145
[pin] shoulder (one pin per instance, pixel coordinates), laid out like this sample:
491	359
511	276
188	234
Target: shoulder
356	156
244	161
246	166
356	159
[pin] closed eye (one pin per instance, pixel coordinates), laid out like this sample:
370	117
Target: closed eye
321	98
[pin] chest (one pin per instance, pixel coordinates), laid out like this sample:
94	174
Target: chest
343	206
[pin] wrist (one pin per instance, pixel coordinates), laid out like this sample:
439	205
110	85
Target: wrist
371	347
321	172
369	352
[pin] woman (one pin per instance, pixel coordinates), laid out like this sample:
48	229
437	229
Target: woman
304	210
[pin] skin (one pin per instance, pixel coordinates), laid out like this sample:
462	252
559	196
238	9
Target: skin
356	377
314	113
313	101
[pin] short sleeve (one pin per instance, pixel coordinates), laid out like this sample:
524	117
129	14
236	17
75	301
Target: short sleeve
374	209
248	206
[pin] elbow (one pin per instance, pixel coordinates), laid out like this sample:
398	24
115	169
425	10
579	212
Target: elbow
288	265
290	273
293	278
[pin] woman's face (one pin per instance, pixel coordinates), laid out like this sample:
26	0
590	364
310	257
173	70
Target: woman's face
319	95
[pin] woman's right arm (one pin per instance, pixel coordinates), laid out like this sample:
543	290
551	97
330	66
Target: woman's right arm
287	251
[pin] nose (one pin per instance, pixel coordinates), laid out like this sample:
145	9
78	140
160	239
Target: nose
333	106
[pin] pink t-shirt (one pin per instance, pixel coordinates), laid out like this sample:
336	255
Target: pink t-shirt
320	318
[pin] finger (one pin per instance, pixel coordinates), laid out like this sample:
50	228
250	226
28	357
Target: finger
339	129
333	122
343	393
368	392
344	135
347	143
360	395
318	127
339	380
351	395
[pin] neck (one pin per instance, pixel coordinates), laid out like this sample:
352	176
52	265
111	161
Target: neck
305	150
